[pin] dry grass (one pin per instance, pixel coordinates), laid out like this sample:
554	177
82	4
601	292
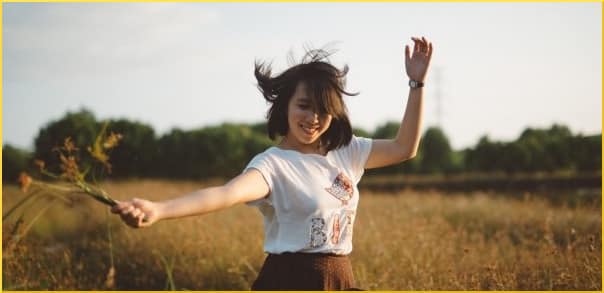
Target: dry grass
405	241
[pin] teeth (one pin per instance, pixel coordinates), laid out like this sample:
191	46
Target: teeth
309	129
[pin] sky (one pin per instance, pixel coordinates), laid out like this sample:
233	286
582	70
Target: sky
497	68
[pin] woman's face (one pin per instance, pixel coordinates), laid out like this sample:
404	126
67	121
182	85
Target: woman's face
305	125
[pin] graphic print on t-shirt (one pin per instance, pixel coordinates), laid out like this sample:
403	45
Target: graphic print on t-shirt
349	216
341	188
337	234
317	233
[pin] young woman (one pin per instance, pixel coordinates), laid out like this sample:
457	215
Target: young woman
306	186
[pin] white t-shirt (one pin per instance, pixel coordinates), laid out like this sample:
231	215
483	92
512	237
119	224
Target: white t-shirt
313	199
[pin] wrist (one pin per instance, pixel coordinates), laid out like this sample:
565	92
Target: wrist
416	84
161	210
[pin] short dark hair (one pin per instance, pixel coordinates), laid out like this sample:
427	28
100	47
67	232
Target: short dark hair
325	84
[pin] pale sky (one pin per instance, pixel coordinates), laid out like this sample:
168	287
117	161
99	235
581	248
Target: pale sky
497	68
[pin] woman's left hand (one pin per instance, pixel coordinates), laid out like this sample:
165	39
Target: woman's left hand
417	61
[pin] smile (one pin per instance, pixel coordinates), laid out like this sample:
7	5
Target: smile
309	130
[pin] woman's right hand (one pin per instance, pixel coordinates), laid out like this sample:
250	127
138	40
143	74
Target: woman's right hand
137	213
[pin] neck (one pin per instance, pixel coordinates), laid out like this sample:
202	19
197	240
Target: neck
312	148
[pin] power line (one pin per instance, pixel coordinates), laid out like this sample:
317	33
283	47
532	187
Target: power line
438	95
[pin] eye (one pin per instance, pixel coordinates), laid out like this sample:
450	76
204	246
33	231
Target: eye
304	106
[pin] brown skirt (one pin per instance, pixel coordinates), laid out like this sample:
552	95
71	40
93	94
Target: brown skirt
305	271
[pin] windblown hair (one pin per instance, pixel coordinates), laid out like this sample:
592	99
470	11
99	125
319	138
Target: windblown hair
325	87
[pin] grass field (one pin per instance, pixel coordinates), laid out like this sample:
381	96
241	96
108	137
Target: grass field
410	240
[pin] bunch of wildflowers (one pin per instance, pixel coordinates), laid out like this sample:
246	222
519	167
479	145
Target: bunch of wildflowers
71	172
70	181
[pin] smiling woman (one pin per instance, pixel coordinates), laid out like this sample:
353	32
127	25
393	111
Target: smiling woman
307	103
305	125
306	186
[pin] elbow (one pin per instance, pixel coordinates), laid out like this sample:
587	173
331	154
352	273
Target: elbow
411	155
406	150
407	155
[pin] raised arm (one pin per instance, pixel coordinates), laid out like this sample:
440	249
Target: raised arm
142	213
385	152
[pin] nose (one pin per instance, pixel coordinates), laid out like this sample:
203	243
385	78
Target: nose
313	117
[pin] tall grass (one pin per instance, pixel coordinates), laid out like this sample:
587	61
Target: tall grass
404	241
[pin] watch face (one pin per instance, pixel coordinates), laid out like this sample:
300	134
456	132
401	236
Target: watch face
415	84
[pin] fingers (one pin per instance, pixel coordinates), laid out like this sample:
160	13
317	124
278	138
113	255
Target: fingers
116	209
136	213
143	221
137	202
416	45
124	207
422	45
136	219
132	213
407	53
127	210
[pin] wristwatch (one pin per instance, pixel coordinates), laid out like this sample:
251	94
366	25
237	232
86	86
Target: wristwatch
415	84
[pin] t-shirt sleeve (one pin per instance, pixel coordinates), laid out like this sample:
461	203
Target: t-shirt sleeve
358	152
261	163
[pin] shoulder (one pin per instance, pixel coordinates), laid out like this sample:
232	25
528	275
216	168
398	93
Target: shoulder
356	145
271	158
359	141
265	164
270	154
354	156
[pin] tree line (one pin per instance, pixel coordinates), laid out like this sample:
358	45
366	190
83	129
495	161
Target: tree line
224	150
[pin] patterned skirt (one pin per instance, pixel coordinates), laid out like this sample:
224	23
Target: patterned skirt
305	272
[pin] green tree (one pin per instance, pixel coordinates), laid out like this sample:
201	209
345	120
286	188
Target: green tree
136	152
558	147
81	126
260	128
587	152
457	162
437	154
515	157
549	149
218	151
14	161
173	154
360	132
485	156
387	131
